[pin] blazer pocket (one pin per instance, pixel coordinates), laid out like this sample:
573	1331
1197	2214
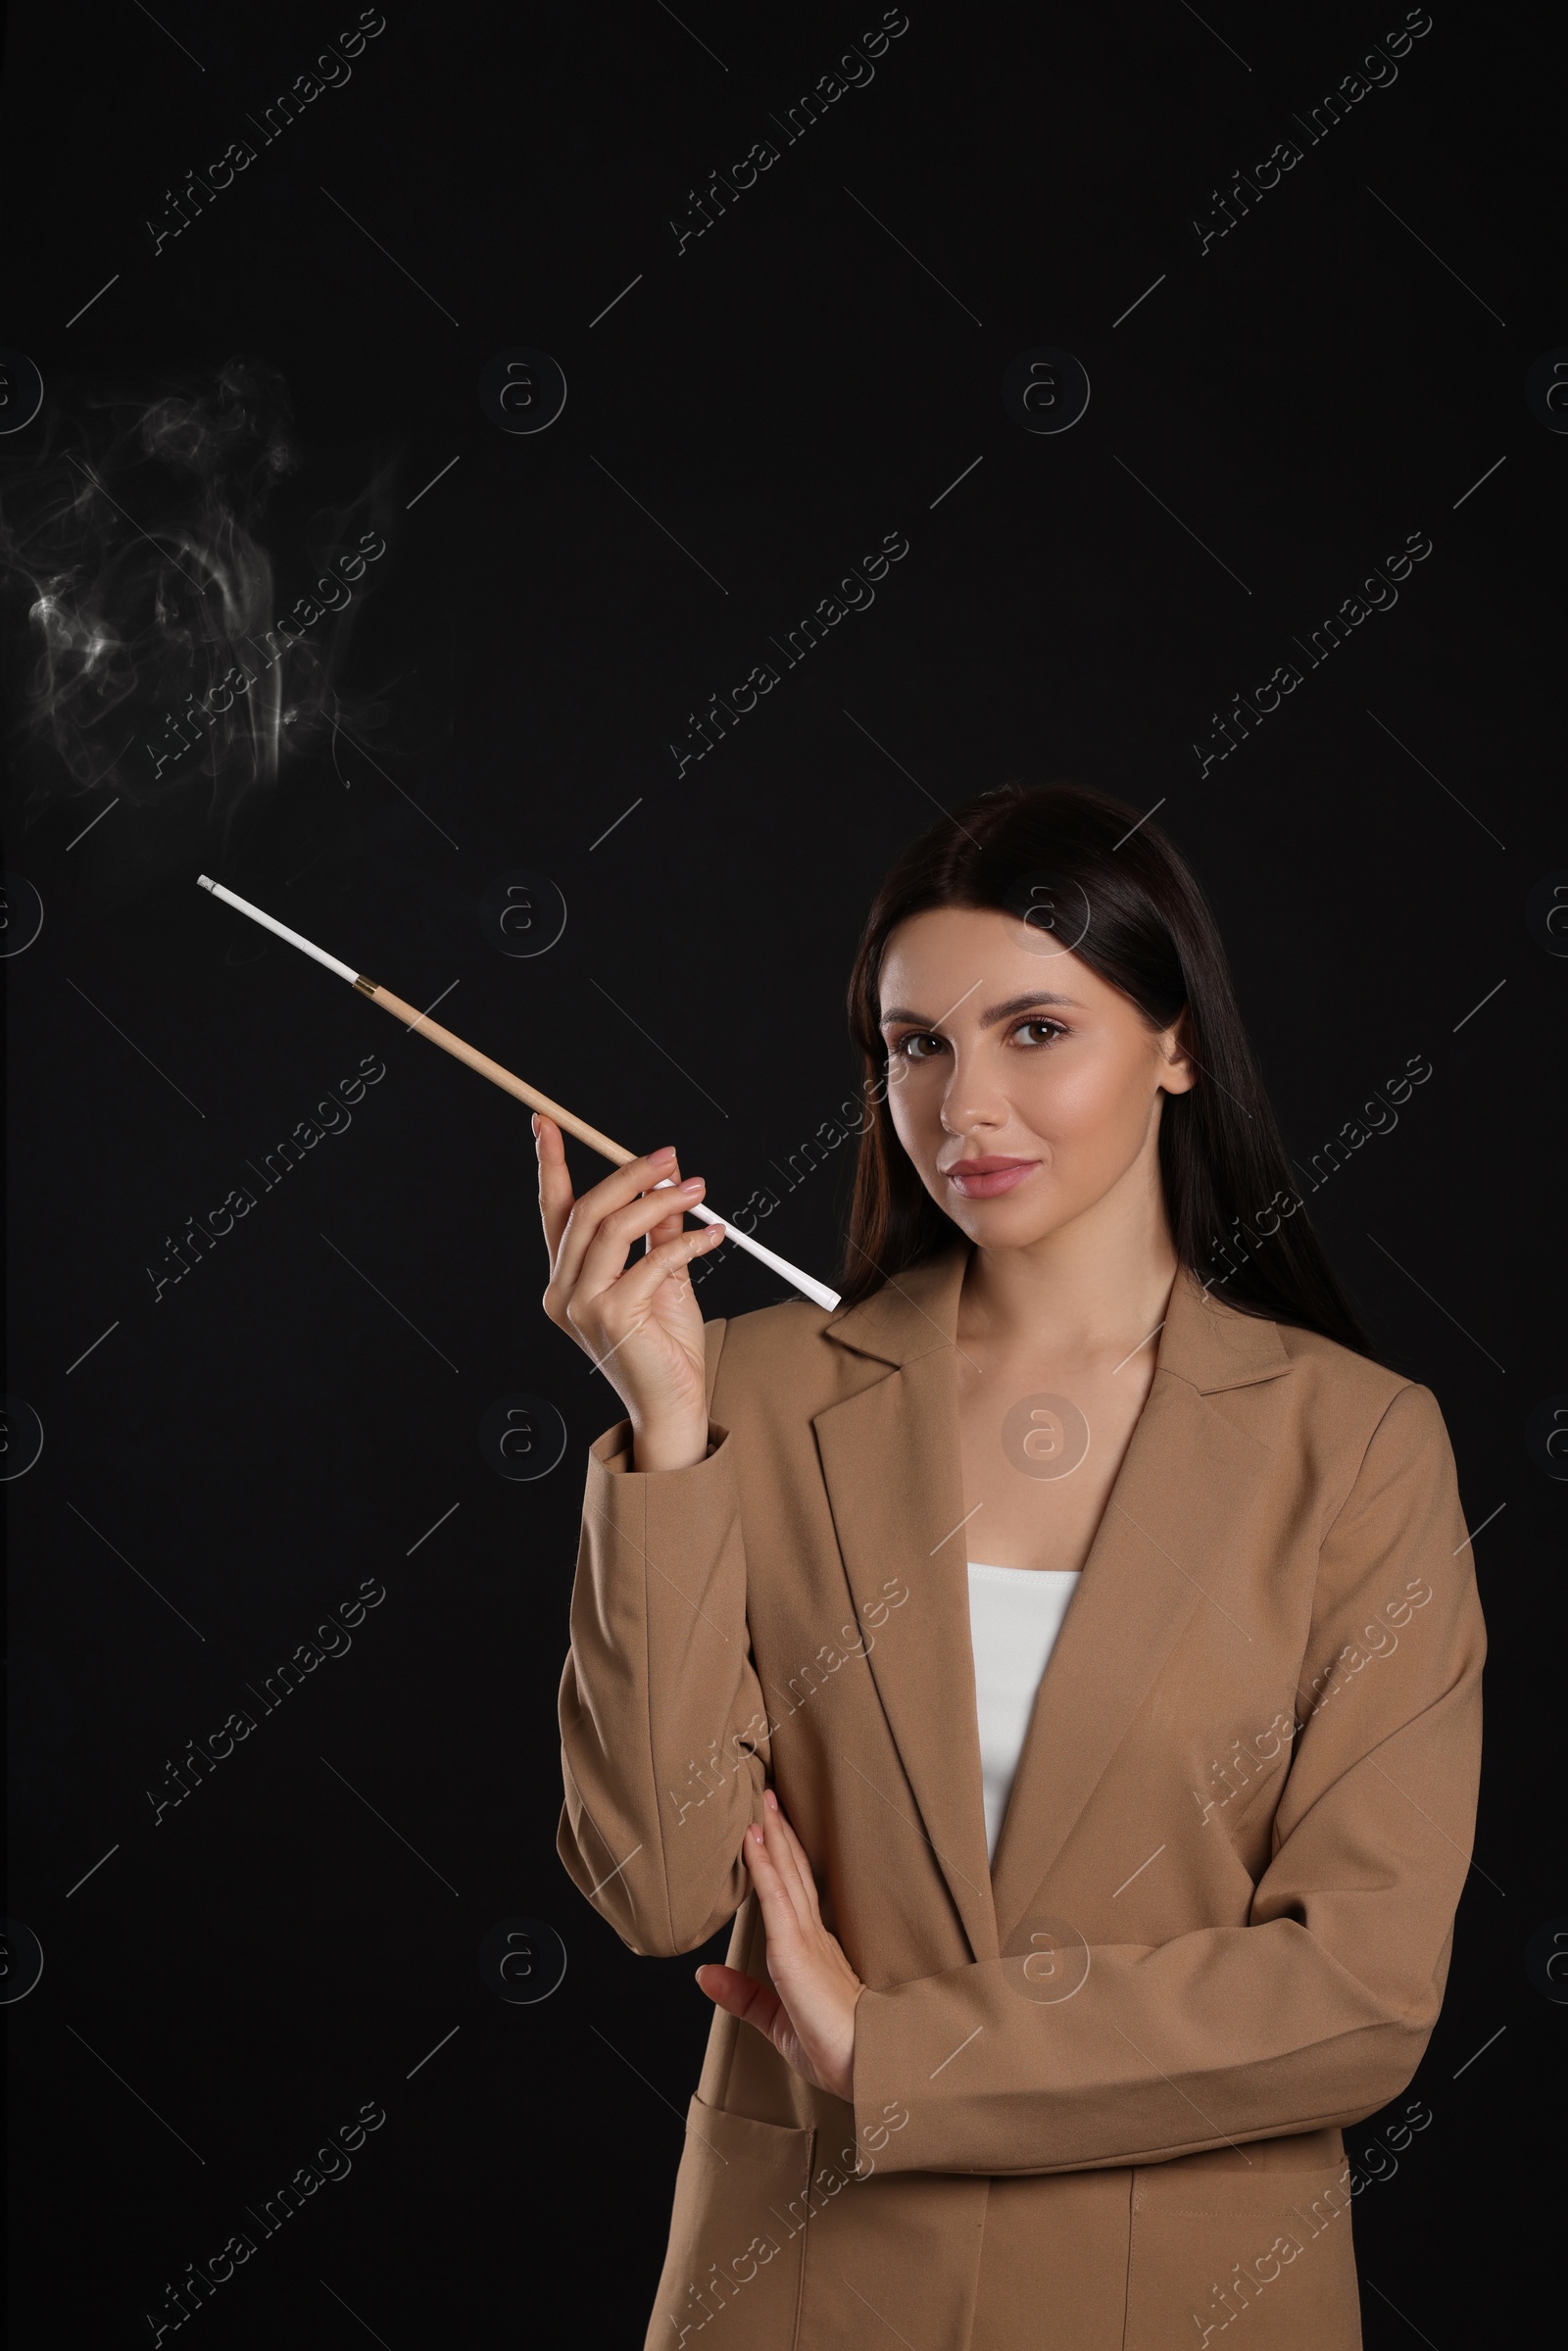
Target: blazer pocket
737	2234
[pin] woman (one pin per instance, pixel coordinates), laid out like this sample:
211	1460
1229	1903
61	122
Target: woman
1050	1986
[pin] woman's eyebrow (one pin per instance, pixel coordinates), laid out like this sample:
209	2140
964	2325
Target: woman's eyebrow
992	1014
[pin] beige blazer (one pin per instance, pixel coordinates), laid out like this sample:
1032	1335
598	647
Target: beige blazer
1099	2088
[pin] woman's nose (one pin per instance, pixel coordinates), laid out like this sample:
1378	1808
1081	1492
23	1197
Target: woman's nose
971	1101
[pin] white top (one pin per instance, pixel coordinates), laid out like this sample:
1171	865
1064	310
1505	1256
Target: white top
1015	1616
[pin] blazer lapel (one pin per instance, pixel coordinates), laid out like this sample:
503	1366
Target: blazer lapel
1163	1549
890	1459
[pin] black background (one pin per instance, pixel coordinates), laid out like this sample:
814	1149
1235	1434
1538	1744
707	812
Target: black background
293	1417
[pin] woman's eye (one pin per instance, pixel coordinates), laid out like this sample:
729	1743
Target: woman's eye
911	1046
1053	1029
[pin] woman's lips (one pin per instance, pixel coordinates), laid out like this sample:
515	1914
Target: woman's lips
984	1178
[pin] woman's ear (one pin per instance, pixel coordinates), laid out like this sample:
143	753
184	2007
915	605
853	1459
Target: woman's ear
1178	1072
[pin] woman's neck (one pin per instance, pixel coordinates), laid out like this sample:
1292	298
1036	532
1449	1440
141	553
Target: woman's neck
1091	1290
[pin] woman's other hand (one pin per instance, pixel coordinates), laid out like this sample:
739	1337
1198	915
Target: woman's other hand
640	1322
808	2010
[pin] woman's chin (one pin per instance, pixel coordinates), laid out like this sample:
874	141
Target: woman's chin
1003	1223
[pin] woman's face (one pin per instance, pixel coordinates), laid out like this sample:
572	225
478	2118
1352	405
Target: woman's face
1022	1086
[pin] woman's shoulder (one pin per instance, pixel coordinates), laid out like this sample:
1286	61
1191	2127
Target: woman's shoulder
1331	1398
789	1332
779	1352
1357	1395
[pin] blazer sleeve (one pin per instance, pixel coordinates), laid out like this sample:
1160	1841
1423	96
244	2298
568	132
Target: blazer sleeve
664	1729
1318	2011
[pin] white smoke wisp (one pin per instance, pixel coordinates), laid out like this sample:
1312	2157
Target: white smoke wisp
142	636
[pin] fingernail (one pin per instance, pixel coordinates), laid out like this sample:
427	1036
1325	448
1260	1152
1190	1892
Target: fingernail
534	1121
756	1835
693	1184
658	1158
770	1799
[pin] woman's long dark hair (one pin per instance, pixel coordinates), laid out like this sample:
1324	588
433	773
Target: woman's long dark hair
1118	895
